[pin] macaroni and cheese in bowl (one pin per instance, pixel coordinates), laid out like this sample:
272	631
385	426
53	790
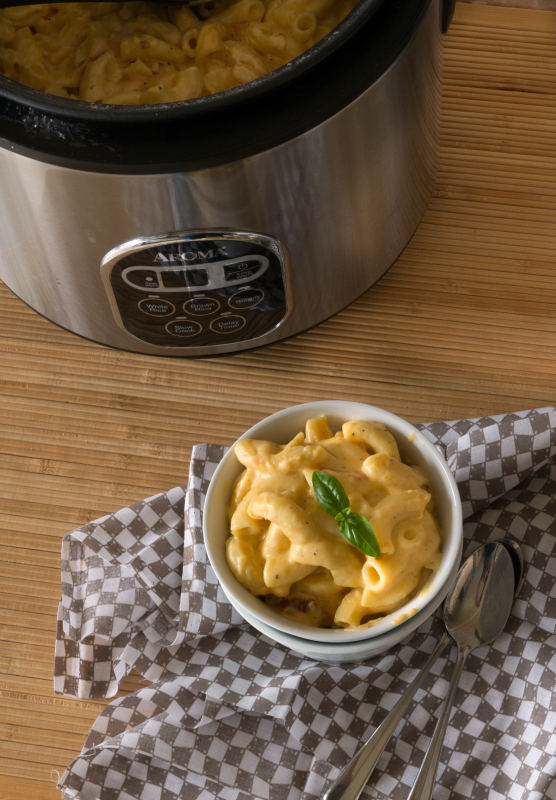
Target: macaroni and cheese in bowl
286	559
139	53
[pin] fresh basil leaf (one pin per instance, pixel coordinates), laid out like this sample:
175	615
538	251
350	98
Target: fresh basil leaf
357	530
343	514
330	493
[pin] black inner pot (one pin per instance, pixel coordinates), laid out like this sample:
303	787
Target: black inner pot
220	128
77	109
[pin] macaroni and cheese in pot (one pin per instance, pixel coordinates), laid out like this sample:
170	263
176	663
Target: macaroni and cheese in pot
285	548
136	53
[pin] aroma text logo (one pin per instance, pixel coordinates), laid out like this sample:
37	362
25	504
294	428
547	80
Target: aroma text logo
187	256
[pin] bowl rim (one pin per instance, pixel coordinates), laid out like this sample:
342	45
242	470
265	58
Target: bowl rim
338	409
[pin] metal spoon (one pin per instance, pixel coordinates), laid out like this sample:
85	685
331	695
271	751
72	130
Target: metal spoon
516	554
485	567
475	614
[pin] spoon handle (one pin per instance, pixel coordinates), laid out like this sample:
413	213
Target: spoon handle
352	780
424	785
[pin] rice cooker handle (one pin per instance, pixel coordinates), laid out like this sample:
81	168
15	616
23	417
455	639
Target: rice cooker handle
447	8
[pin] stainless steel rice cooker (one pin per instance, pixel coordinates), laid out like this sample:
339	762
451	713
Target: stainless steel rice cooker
229	222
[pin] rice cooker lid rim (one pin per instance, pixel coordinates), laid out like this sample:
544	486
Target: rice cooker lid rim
81	111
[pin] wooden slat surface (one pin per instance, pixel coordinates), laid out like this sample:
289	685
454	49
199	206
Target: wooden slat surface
463	324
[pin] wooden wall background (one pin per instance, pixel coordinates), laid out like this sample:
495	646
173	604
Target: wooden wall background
543	5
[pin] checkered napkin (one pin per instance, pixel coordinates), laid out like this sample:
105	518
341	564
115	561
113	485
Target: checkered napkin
227	714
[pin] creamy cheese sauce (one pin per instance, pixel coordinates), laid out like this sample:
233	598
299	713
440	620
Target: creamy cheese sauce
286	549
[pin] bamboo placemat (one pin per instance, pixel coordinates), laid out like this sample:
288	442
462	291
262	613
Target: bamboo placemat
462	325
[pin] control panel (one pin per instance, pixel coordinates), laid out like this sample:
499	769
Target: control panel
199	288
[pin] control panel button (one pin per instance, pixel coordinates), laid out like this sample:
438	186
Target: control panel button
199	306
229	324
183	327
246	298
184	278
144	278
155	307
242	270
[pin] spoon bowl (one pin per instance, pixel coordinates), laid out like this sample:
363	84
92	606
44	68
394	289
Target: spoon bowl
518	560
476	611
478	605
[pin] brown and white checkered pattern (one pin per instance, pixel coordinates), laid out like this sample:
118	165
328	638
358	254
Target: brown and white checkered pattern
230	715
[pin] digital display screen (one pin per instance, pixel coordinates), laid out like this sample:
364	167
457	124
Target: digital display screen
176	279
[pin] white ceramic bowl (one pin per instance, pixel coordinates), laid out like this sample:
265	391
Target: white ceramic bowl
345	652
414	448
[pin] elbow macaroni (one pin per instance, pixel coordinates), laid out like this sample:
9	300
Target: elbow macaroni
286	549
135	53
